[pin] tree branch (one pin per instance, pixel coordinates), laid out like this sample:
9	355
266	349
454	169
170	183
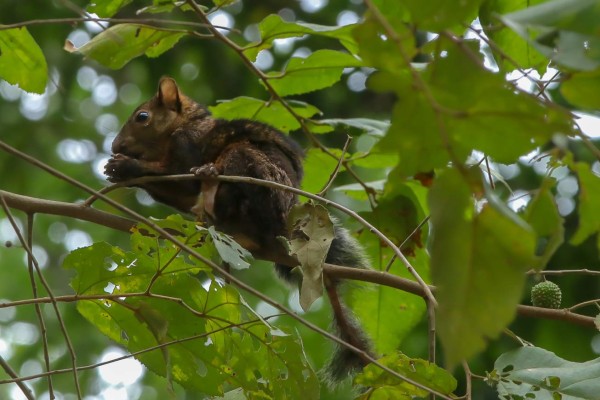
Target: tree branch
34	205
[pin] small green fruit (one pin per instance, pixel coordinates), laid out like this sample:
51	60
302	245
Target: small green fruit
546	294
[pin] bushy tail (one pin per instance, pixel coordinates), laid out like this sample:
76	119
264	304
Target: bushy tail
345	251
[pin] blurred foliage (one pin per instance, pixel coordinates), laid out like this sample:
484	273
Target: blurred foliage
439	94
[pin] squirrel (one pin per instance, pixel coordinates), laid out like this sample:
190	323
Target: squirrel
173	134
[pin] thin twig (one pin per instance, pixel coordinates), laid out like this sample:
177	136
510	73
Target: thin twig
15	378
468	378
149	21
489	172
586	140
336	170
414	232
29	204
38	311
564	272
432	331
595	302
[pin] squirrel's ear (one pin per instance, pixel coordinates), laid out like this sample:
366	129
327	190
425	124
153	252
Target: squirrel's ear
168	94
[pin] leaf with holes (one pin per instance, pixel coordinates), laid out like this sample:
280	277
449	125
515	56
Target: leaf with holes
536	373
229	250
311	235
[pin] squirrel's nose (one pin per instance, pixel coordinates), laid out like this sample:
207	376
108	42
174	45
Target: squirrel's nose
118	145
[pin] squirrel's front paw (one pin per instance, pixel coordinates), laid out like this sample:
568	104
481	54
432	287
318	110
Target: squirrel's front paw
206	171
120	167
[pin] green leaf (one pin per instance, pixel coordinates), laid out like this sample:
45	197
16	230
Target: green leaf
22	61
107	8
399	211
272	113
521	54
358	192
379	51
229	250
478	262
421	371
389	326
580	89
437	15
310	238
589	198
164	6
542	214
431	128
318	167
564	31
121	43
274	27
536	373
319	70
369	126
223	3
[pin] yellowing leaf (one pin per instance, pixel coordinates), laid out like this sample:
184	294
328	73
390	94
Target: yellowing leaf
311	235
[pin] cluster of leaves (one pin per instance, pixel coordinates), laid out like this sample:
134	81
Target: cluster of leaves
446	111
199	334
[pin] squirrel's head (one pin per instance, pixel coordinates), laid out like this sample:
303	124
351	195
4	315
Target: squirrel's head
146	133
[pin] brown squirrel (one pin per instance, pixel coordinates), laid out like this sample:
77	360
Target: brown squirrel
173	134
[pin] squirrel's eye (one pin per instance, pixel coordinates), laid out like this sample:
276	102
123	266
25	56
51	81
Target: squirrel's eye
142	116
